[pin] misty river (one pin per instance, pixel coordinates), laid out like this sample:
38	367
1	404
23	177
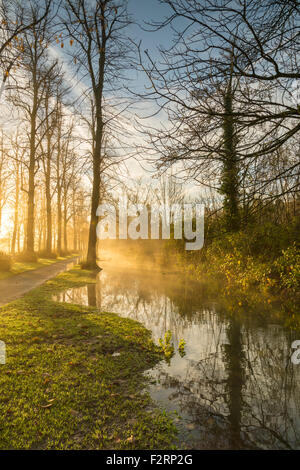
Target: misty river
236	386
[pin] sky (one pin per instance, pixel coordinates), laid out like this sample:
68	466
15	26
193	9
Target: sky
142	11
147	10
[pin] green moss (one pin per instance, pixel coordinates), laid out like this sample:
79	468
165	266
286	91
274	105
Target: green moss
63	386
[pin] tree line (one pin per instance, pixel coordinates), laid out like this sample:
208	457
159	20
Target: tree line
227	88
55	145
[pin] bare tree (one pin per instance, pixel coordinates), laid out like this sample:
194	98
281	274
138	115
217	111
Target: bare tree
225	88
101	51
4	173
17	17
28	95
54	92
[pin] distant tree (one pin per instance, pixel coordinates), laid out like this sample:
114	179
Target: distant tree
53	97
4	174
28	96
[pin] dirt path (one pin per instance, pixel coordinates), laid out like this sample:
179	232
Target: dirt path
16	286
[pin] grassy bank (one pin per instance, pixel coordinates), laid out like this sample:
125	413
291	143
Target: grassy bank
265	257
280	274
19	267
73	378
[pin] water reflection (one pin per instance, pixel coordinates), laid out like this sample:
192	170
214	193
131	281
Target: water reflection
236	386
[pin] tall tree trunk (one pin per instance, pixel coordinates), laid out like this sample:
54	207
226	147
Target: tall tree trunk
65	223
16	214
59	222
230	176
40	239
30	211
91	261
101	23
59	199
48	211
75	235
31	183
18	240
48	192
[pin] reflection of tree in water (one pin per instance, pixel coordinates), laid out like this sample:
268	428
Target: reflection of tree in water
236	385
271	395
234	364
258	399
91	292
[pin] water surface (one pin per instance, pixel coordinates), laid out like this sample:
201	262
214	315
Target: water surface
236	386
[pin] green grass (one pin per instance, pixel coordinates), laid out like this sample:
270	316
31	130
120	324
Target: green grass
62	387
19	267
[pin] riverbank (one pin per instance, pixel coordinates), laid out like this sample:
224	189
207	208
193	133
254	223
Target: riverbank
73	378
257	268
265	257
19	267
15	287
280	274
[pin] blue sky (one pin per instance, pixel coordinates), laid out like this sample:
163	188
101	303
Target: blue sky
141	11
147	10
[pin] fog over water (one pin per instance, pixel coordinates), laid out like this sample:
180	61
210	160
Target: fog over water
236	386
